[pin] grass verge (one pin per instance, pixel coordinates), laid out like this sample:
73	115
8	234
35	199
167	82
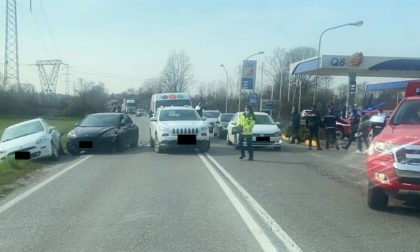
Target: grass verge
11	170
63	125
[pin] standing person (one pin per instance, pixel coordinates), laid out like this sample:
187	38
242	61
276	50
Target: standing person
354	124
247	121
313	122
329	123
295	120
150	113
363	132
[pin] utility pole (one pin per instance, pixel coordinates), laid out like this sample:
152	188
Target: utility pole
48	75
11	64
262	85
67	81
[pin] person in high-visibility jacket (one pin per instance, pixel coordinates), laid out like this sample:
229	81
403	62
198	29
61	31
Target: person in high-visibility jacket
247	121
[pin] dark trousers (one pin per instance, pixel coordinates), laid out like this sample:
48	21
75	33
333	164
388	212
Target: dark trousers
361	138
248	139
295	134
331	137
313	132
351	138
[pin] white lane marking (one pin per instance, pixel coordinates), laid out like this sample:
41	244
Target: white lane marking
25	194
316	155
277	230
252	225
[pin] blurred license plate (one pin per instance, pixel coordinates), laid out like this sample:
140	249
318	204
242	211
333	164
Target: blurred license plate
263	139
22	155
187	139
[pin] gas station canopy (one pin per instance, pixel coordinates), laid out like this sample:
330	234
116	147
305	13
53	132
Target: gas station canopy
390	85
368	66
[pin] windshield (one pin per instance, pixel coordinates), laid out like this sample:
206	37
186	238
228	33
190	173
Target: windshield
100	121
22	130
408	113
263	119
226	118
168	103
178	115
211	114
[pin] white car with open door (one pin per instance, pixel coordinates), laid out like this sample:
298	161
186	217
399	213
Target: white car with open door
266	133
178	127
31	139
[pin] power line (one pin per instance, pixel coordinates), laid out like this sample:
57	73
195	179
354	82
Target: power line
48	28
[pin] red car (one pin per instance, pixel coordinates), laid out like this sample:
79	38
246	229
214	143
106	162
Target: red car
393	162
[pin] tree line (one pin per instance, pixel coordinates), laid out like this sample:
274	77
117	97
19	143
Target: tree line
177	76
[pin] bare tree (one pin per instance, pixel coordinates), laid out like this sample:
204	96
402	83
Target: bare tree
177	74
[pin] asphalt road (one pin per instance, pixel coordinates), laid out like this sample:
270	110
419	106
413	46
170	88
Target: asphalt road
291	199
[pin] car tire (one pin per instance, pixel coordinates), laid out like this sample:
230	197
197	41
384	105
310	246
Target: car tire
339	134
228	142
205	148
376	198
151	142
121	144
235	142
157	147
55	152
135	142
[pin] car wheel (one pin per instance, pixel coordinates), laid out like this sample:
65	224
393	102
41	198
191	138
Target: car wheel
55	154
135	142
121	144
228	142
205	148
376	198
370	137
158	149
235	142
339	134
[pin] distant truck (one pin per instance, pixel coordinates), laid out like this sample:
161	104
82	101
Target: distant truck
129	106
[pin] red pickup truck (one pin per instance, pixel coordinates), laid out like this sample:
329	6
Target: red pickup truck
393	162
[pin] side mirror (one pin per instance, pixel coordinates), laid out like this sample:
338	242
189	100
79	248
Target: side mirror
51	129
233	123
153	119
218	123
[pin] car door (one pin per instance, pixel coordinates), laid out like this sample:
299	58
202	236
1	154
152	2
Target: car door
132	129
232	124
52	133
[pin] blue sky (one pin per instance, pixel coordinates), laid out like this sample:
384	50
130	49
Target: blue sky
124	42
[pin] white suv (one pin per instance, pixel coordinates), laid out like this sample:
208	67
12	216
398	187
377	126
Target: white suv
178	127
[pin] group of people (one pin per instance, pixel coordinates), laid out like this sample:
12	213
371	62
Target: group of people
359	128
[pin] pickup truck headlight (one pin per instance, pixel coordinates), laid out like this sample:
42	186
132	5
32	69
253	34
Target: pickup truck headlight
385	147
164	129
204	129
71	134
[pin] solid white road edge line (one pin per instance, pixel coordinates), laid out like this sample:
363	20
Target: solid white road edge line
252	225
277	230
25	194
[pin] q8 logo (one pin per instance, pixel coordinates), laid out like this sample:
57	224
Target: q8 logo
338	62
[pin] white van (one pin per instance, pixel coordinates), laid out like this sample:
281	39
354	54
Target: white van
169	99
